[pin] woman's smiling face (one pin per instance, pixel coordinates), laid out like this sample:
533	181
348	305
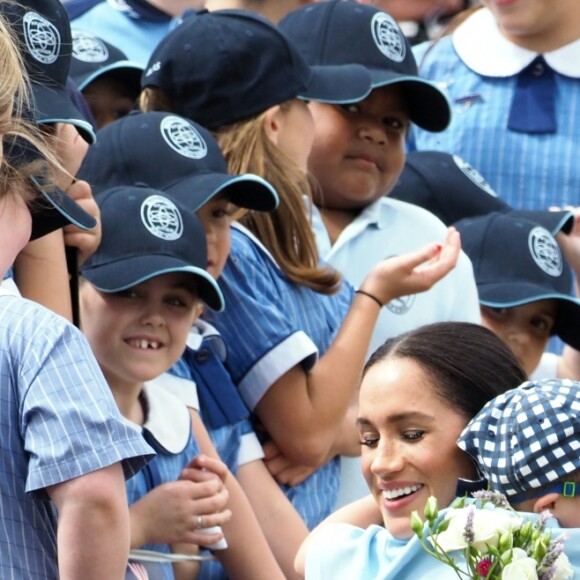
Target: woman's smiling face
408	435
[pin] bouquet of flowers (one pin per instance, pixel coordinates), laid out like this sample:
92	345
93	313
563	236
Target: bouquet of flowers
496	544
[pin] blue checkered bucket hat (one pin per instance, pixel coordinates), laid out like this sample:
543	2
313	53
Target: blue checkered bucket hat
527	439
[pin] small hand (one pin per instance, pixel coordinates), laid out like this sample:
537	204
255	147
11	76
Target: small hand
86	241
415	271
282	469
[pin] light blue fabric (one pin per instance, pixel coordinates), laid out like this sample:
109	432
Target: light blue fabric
136	37
58	421
271	325
527	170
389	227
345	552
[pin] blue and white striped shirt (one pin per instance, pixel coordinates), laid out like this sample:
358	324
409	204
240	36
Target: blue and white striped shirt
528	170
271	325
58	421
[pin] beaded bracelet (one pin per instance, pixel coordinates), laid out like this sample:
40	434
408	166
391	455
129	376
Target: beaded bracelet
369	295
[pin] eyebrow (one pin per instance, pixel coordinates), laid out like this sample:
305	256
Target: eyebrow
398	418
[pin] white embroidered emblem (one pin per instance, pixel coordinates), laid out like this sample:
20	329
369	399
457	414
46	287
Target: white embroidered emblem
88	48
474	175
183	137
388	37
162	218
545	251
42	38
401	305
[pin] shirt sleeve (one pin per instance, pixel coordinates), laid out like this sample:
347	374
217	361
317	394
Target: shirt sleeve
264	339
70	423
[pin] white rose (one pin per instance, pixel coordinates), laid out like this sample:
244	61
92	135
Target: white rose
563	568
488	526
521	567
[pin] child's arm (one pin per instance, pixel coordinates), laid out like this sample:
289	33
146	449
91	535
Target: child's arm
321	398
248	556
283	527
41	274
93	525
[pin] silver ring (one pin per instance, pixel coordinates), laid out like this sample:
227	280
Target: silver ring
199	525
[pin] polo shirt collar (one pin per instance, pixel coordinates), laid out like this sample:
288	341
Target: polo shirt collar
502	58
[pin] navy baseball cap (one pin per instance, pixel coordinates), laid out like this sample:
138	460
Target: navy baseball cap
93	57
44	35
517	261
146	234
341	32
528	438
449	187
174	154
228	65
53	208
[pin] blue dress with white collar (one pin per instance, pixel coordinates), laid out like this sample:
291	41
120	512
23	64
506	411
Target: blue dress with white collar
532	170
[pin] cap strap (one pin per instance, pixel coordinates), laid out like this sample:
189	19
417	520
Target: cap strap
567	489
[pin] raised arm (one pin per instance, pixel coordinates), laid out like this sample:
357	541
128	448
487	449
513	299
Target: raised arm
303	412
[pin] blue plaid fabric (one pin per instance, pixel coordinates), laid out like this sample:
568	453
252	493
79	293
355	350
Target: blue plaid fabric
58	421
527	437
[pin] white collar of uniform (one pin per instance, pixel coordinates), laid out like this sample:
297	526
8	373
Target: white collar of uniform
8	287
168	419
204	331
502	58
241	228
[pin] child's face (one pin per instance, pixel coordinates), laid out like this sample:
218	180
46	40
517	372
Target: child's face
525	329
216	217
70	150
140	333
109	99
15	218
359	150
533	19
296	131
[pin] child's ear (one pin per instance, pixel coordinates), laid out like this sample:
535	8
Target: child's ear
546	502
273	123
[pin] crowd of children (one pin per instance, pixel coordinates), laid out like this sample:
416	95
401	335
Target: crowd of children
210	222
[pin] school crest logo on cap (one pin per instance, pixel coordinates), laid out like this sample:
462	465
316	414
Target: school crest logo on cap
545	251
474	175
388	37
88	48
401	305
42	38
183	138
162	218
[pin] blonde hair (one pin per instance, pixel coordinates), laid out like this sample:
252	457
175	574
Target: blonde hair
286	232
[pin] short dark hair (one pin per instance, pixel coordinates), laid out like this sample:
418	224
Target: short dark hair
468	363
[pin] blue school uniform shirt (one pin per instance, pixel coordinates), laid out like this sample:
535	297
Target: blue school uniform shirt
168	430
58	421
345	552
271	325
201	381
136	34
527	170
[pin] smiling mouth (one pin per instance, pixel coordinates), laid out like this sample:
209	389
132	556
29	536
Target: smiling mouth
143	344
394	494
